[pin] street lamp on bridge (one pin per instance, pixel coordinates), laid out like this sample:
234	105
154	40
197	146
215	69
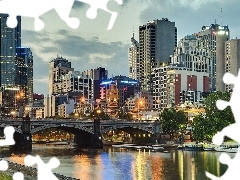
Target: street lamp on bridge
98	112
140	103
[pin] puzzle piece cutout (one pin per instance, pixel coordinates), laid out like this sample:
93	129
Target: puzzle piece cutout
36	8
100	4
8	132
44	170
233	167
232	130
18	176
3	165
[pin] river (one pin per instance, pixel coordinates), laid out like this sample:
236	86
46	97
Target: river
121	164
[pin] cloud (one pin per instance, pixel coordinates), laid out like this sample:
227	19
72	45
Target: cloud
78	5
84	53
190	16
91	46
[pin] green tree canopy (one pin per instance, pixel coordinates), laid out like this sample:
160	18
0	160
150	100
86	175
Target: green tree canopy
122	114
101	115
214	120
173	121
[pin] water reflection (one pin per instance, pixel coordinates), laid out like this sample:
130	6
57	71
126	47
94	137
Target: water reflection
118	164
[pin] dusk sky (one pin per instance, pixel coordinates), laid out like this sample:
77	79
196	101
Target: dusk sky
91	45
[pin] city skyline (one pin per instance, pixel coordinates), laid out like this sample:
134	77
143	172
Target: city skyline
89	47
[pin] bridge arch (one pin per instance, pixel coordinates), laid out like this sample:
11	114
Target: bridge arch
17	129
147	128
67	127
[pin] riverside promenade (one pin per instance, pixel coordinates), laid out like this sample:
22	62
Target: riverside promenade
30	173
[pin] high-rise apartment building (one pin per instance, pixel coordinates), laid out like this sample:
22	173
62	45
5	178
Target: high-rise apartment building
133	59
57	68
10	39
24	72
203	51
228	58
75	81
157	39
212	39
97	75
170	81
188	55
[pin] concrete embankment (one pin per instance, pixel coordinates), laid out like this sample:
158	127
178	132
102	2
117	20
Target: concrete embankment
30	173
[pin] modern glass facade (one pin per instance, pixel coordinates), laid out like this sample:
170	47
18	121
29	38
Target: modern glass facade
10	39
24	72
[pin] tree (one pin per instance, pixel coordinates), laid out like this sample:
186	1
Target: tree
101	115
219	118
124	115
200	128
173	121
214	120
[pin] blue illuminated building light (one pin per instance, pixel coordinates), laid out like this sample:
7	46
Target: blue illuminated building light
129	82
106	82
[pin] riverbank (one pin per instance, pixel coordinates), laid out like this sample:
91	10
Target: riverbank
5	177
30	173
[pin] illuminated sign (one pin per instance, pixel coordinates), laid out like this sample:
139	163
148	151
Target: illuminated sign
12	88
129	82
106	82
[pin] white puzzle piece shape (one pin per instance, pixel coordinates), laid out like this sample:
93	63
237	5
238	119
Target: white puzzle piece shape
100	4
8	132
36	8
44	170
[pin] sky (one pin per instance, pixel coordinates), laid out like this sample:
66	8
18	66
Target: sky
91	45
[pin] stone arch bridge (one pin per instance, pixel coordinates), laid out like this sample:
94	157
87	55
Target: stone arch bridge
88	133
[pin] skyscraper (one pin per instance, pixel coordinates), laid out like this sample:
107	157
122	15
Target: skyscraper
204	52
212	39
228	58
10	39
97	75
24	72
57	68
157	39
133	59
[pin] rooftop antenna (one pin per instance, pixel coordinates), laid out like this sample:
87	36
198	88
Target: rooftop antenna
221	17
133	31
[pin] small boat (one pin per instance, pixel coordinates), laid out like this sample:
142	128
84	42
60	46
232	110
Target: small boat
180	147
123	145
166	151
208	147
57	143
157	148
141	147
193	147
73	144
227	148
